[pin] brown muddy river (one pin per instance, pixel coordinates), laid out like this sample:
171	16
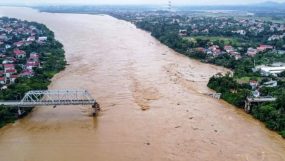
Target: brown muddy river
127	70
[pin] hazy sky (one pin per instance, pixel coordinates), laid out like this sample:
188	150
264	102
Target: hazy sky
192	2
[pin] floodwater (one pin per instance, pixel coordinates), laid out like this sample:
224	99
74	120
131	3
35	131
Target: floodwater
153	107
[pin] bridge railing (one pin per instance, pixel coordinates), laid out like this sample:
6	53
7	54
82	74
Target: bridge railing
53	97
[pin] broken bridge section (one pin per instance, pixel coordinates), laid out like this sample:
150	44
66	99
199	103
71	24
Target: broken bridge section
251	100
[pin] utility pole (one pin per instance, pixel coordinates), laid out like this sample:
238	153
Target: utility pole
169	6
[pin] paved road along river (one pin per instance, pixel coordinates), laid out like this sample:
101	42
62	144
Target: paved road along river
151	98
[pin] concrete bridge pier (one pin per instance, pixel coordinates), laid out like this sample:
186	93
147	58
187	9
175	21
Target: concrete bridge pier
53	98
96	109
247	107
21	112
252	100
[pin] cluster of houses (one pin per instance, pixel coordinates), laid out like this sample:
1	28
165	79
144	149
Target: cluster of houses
202	25
205	25
266	70
14	61
240	27
215	50
252	51
9	73
256	86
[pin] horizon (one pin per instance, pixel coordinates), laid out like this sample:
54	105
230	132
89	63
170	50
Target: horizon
140	2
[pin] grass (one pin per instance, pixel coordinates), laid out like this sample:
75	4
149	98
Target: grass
227	40
271	19
245	80
238	15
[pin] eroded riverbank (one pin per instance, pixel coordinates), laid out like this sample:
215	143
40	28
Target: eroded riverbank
127	70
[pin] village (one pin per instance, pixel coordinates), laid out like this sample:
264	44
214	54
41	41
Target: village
233	36
237	38
15	36
270	42
29	57
226	41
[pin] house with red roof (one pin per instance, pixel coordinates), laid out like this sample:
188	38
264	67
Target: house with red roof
32	64
10	72
13	78
229	48
251	52
27	73
19	54
8	67
262	48
33	61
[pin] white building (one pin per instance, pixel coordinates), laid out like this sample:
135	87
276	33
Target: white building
271	84
42	38
241	32
266	71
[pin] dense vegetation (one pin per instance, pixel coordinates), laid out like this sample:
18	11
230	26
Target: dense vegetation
52	61
167	31
273	114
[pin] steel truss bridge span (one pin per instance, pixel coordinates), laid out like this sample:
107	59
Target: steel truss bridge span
54	98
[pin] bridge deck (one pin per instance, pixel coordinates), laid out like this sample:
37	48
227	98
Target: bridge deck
250	100
48	103
53	98
261	99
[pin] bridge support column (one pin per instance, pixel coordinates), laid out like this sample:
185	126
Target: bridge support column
247	107
217	96
20	113
96	109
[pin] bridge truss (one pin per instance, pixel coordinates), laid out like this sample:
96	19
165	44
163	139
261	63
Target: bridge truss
54	98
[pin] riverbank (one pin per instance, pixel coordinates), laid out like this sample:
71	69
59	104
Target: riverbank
30	57
126	70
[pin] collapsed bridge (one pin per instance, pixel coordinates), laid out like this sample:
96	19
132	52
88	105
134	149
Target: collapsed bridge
54	98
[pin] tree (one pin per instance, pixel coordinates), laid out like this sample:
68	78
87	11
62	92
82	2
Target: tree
282	74
280	103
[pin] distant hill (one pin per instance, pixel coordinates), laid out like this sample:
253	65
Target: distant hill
270	4
268	7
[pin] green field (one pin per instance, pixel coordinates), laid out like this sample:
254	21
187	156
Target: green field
227	40
242	15
245	80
